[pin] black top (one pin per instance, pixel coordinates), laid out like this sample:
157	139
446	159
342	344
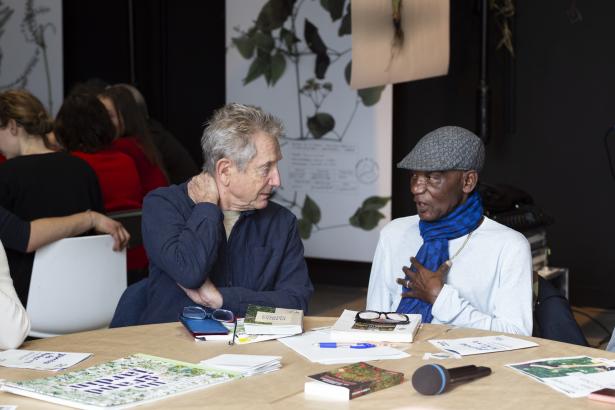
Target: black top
44	185
14	232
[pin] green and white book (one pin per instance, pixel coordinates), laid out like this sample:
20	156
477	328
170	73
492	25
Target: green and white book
265	320
122	383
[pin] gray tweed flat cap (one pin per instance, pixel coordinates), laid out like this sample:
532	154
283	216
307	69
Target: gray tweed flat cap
444	149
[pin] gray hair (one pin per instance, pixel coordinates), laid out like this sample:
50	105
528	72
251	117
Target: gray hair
229	134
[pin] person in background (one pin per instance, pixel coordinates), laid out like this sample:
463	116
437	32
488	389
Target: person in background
455	266
176	160
217	240
24	237
132	137
36	181
84	128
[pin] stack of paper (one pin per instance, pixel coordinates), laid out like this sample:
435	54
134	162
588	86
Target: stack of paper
482	344
246	364
308	345
37	360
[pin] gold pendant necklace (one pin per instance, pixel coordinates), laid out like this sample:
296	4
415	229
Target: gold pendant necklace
449	261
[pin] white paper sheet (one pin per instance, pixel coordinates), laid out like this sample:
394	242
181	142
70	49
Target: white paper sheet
307	346
40	360
247	364
480	345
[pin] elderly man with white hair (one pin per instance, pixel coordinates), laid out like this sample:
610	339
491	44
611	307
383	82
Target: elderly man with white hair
450	263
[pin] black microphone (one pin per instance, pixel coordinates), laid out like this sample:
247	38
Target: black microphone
435	379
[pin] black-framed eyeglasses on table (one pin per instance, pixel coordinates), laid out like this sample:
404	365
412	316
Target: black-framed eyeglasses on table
221	315
387	318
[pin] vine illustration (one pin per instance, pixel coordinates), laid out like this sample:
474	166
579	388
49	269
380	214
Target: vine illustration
33	32
273	44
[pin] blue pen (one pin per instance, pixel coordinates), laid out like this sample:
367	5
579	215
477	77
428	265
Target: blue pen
334	345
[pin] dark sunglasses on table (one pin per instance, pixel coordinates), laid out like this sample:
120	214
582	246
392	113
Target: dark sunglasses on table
221	315
387	318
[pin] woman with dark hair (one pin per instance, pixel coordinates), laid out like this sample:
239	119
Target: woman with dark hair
133	136
83	128
36	181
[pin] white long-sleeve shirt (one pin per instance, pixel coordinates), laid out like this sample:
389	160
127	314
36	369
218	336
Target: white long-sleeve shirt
489	285
14	322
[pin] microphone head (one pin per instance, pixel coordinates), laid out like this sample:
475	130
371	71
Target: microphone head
430	379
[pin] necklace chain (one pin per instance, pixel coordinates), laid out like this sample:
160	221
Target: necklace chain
450	260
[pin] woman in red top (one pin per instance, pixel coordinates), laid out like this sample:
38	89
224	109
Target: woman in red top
84	128
133	136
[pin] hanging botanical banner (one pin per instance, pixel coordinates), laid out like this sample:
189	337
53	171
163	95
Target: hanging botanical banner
31	49
293	59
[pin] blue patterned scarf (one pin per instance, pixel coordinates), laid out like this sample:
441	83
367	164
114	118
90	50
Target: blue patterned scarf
434	251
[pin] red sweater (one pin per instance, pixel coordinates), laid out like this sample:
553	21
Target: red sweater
151	175
118	178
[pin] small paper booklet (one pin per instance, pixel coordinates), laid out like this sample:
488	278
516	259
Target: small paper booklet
265	320
308	345
349	382
575	376
122	383
347	330
246	364
479	345
39	360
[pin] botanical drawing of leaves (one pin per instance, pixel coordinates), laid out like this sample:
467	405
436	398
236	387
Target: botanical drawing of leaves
273	14
366	219
348	72
320	124
278	65
315	43
261	65
345	25
370	96
305	228
264	41
245	46
334	7
289	39
375	202
310	210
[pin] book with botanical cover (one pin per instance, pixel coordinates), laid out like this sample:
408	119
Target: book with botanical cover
121	383
351	381
346	329
265	320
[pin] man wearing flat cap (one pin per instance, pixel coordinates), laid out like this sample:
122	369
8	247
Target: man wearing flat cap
450	263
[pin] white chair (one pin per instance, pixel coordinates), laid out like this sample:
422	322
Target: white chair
75	286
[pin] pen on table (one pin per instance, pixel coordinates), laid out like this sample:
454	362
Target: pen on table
334	345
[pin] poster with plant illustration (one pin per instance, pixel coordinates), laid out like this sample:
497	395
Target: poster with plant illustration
31	49
293	59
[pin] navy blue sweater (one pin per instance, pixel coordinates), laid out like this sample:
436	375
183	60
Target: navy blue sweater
261	263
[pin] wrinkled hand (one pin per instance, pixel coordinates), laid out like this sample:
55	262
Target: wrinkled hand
425	284
104	224
207	295
203	188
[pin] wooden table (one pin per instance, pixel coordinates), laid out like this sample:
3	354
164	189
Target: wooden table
283	389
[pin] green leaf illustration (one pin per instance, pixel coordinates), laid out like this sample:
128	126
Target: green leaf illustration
365	219
375	202
345	25
273	14
370	96
334	7
315	43
310	210
278	65
245	46
305	228
264	41
257	68
320	124
289	39
348	72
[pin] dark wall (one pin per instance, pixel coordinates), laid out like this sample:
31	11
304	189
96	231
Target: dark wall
550	107
178	56
562	103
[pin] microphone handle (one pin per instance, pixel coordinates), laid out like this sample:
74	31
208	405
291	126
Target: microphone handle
470	372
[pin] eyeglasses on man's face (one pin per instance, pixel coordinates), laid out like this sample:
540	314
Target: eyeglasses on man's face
387	318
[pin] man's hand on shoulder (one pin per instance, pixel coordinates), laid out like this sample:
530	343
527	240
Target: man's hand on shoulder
207	295
203	188
425	284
